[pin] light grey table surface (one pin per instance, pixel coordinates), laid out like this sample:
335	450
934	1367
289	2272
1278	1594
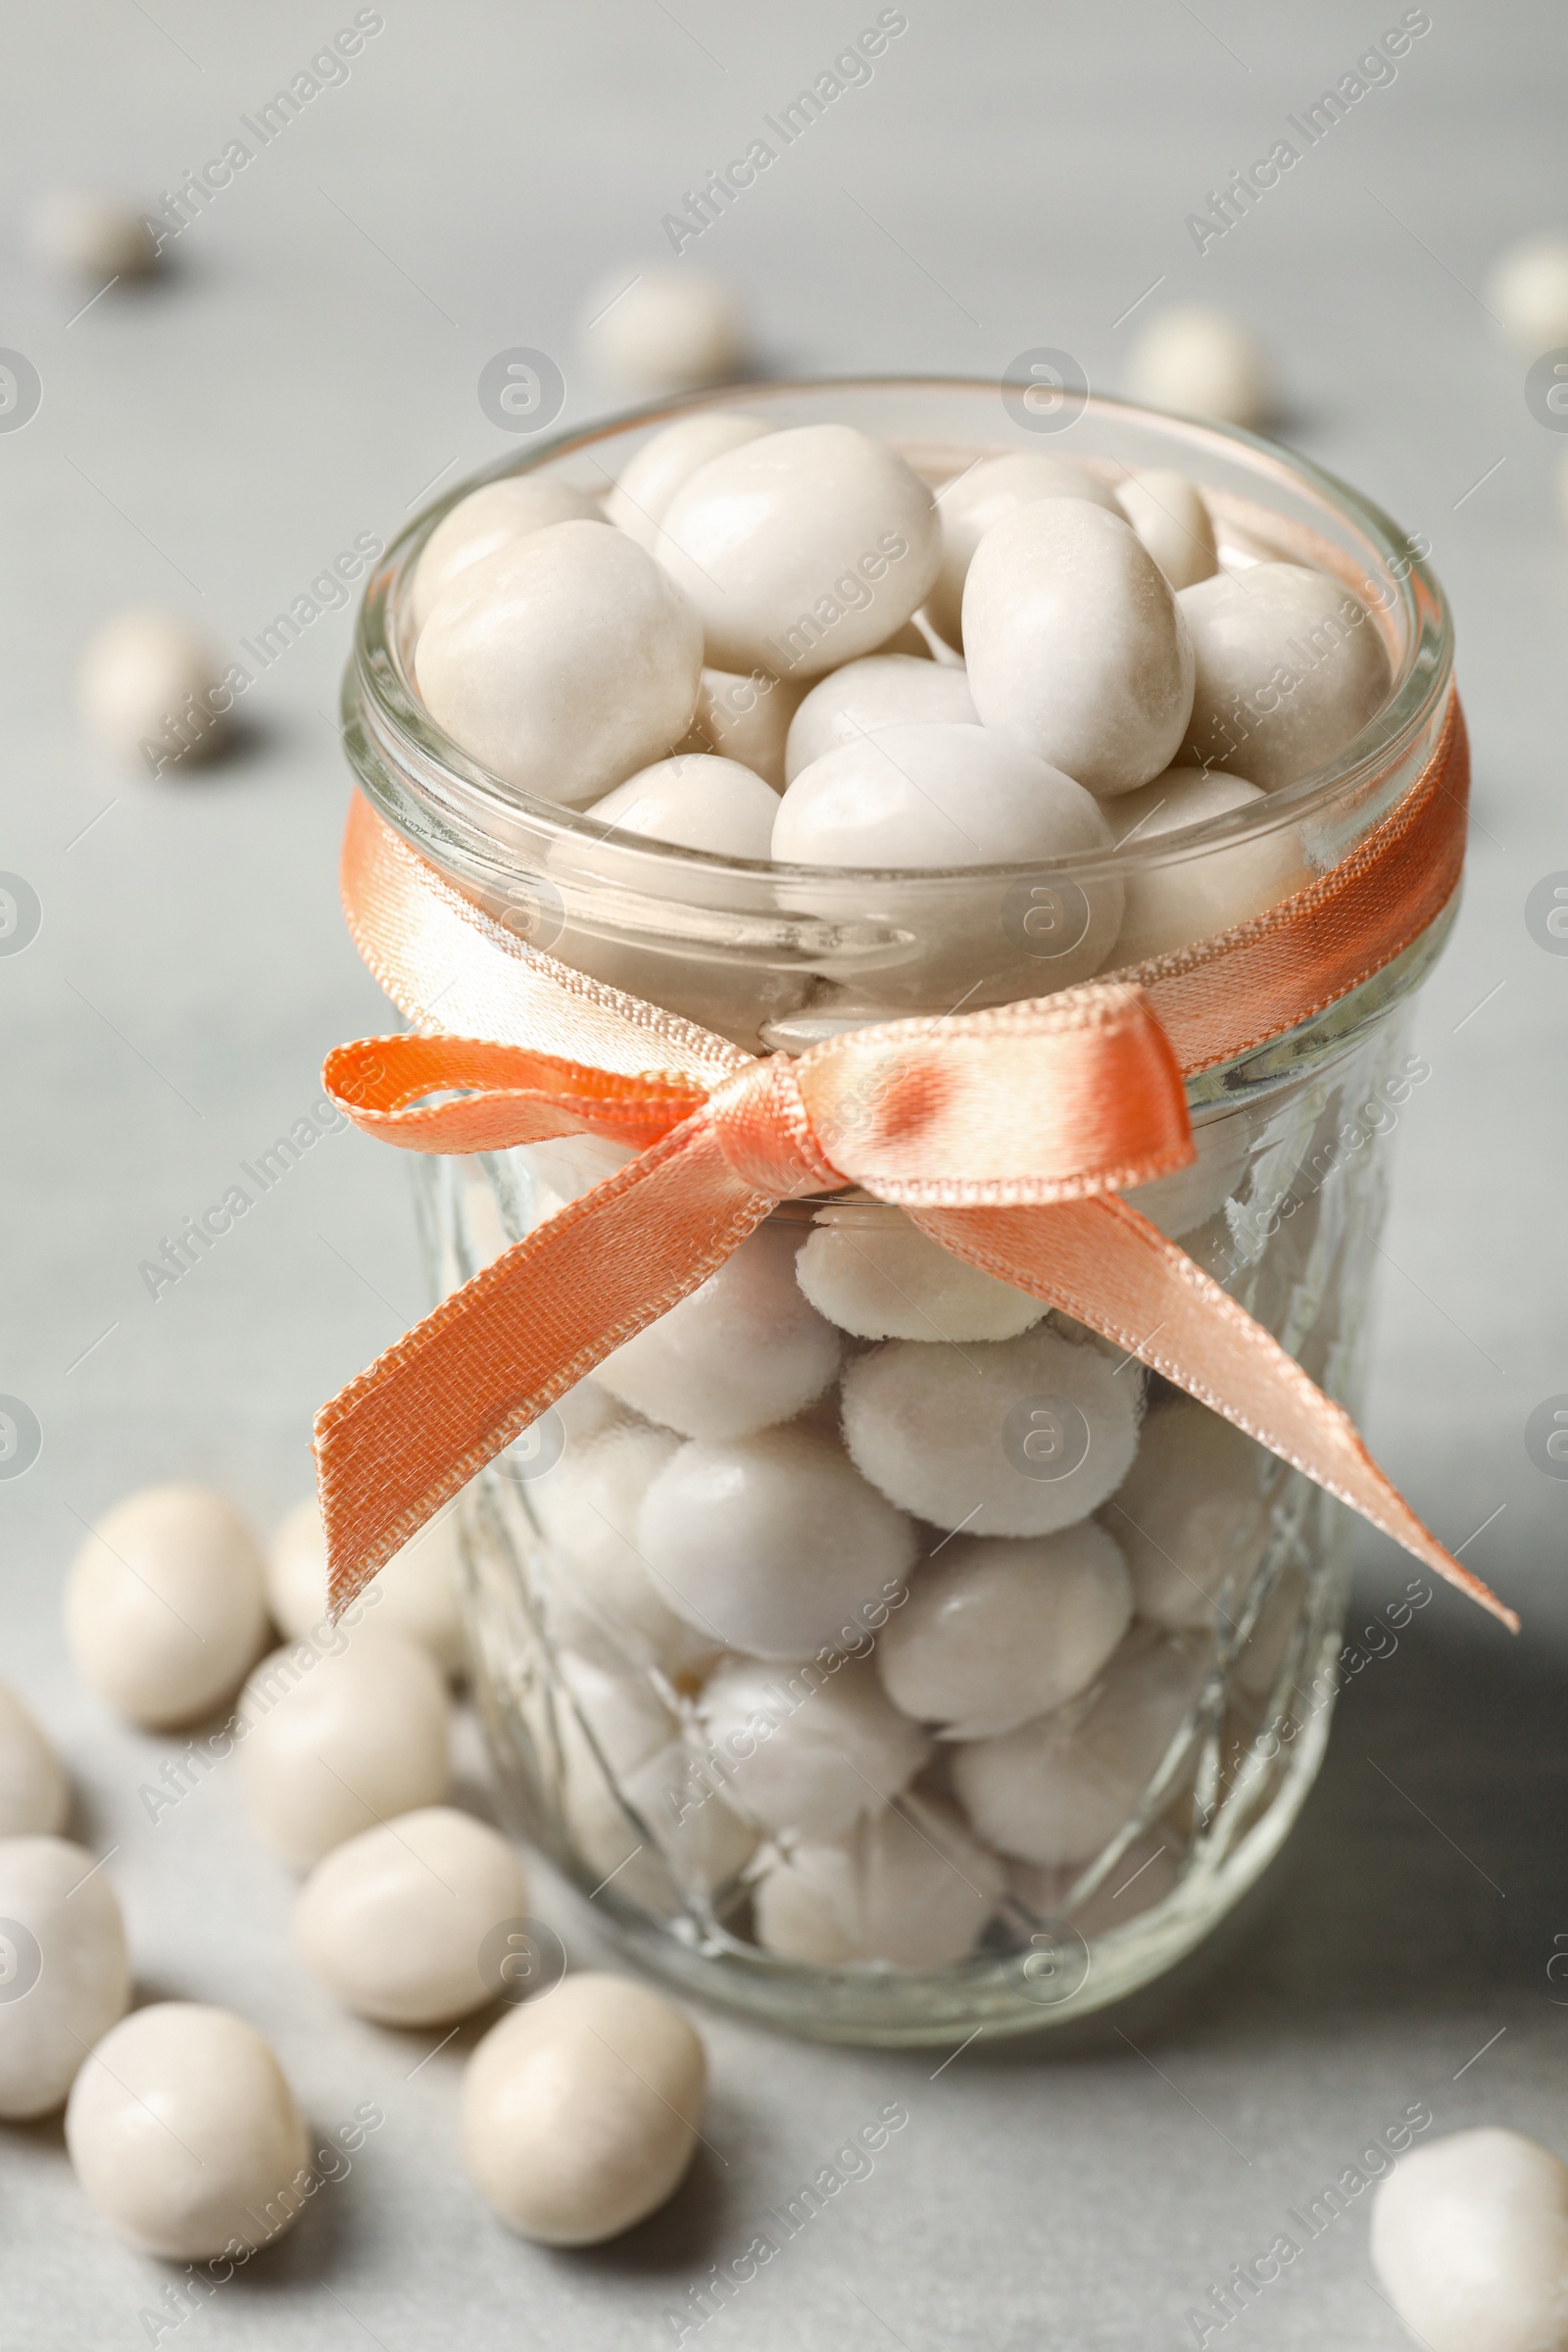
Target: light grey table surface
1013	175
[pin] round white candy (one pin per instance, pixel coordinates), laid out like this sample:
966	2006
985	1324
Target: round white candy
605	1600
489	518
1144	1873
164	1606
93	236
394	1921
907	1885
149	688
1076	645
697	803
64	1974
581	2110
34	1792
1289	666
637	503
968	505
1204	364
882	690
1168	514
874	1273
746	718
1181	1202
998	1630
1211	890
808	1749
1527	288
743	1350
182	2129
1191	1516
801	550
1057	1789
337	1744
1470	2240
564	661
934	795
416	1593
670	330
1017	1438
772	1543
641	1805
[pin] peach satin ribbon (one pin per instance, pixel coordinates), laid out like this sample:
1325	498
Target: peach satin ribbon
1005	1135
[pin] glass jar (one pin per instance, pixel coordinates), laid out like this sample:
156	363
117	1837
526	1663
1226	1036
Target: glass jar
824	1810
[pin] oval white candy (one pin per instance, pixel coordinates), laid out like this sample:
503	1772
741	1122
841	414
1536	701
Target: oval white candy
182	2129
150	686
801	550
1076	646
694	800
1017	1438
1191	1516
657	1833
998	1630
1290	667
94	236
907	1887
1168	514
881	690
874	1273
64	1974
416	1593
1210	890
745	718
1527	289
743	1350
605	1600
971	505
637	503
564	661
806	1750
667	331
34	1792
341	1742
164	1604
1204	364
1144	1873
396	1920
1181	1202
581	2110
1470	2240
775	1544
488	518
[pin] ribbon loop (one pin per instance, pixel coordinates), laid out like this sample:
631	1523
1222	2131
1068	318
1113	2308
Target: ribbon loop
763	1128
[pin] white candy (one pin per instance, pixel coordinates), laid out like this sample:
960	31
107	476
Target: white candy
1018	1437
1289	666
637	503
670	330
1527	288
882	690
907	1887
746	718
93	236
150	688
659	1830
394	1920
164	1606
1204	364
581	2110
773	1544
1191	1516
935	795
1180	1204
489	518
34	1792
1076	645
801	550
1470	2240
64	1974
340	1744
971	504
416	1590
874	1273
743	1350
1168	514
697	803
1143	1874
1057	1789
604	1601
1211	890
997	1630
564	661
182	2129
808	1749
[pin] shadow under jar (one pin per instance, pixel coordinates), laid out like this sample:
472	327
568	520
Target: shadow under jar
886	1656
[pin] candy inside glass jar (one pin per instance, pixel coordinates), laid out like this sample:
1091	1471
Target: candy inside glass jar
883	1649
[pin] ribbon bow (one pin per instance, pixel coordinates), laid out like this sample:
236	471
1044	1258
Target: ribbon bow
1005	1136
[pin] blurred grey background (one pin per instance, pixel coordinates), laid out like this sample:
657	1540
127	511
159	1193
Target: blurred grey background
1011	175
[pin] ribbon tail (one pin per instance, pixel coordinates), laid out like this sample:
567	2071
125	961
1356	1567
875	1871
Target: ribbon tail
1103	1263
454	1391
